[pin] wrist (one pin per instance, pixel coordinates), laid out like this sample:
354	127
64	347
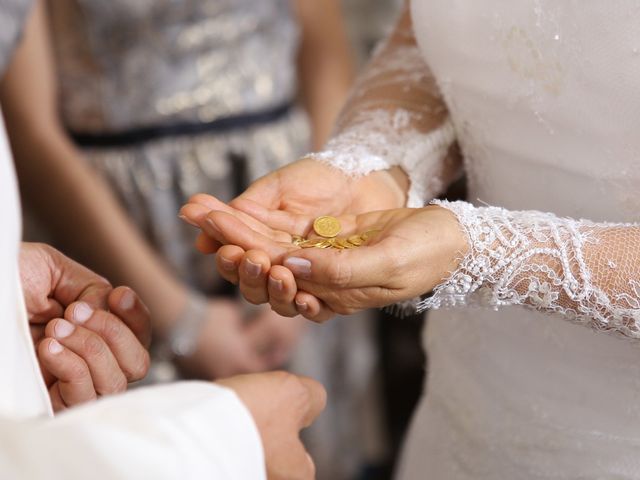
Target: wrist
448	246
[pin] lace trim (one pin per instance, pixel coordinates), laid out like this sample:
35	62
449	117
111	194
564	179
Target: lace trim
383	139
586	272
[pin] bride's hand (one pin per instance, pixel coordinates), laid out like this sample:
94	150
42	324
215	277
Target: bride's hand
414	251
289	197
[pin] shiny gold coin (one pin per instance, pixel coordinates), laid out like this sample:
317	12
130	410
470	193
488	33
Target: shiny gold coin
327	227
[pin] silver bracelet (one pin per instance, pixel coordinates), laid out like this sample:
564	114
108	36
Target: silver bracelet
183	337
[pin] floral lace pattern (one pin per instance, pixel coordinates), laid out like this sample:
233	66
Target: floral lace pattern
588	272
396	117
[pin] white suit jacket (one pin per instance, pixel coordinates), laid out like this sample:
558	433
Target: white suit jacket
183	431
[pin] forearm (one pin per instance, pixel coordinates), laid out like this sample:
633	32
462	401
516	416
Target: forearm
325	65
395	116
587	272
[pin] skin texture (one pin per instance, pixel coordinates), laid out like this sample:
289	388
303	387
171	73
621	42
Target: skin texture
281	404
91	339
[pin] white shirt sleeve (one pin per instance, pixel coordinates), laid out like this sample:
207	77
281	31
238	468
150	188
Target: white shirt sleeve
188	430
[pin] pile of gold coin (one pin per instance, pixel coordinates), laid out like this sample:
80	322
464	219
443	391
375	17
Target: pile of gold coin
328	228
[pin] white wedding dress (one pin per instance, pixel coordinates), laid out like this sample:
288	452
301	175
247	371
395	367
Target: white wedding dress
543	97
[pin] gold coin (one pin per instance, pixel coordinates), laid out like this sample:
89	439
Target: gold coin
355	240
297	240
366	236
327	227
344	243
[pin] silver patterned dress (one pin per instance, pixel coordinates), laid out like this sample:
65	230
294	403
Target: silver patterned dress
125	66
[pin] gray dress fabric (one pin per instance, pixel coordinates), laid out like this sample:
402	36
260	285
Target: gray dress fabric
12	17
126	65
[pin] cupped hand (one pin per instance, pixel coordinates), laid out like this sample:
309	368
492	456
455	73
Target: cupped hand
289	198
281	404
413	252
233	341
90	339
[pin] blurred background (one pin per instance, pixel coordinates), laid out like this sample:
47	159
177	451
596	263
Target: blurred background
138	106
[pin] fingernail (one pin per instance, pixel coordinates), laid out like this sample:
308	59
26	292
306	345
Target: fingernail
275	284
228	265
188	220
82	312
300	267
212	225
128	300
55	347
63	329
253	269
302	307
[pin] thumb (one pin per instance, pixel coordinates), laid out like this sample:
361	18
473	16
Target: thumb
73	282
367	266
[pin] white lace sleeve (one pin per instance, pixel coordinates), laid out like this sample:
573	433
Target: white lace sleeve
588	272
396	117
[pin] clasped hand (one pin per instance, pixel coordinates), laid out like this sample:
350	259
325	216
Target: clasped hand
90	338
414	251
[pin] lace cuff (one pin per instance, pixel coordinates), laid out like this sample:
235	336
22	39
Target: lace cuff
588	272
383	141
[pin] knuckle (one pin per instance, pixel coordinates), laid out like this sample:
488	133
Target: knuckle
77	371
112	327
118	384
93	346
339	274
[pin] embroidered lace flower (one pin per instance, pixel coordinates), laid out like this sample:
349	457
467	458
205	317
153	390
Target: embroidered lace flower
588	272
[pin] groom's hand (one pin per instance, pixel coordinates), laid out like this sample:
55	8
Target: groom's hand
91	339
281	404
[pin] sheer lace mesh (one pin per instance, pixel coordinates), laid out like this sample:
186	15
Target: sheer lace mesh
395	116
588	272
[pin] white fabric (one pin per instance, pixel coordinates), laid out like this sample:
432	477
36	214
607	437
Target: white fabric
189	431
544	99
23	390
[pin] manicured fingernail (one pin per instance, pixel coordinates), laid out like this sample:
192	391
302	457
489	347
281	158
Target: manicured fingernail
82	312
55	347
253	269
128	300
228	265
63	329
213	227
300	267
275	284
188	220
302	307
